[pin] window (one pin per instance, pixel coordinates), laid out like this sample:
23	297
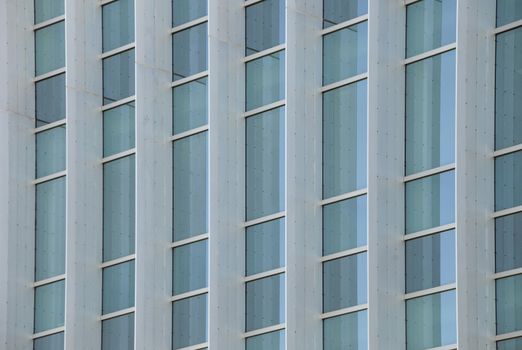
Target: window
265	246
265	25
267	341
50	48
47	9
511	344
118	129
50	100
339	11
118	76
265	302
118	24
118	287
348	331
50	151
508	11
49	305
50	342
508	189
184	11
189	321
509	304
189	51
189	267
265	80
508	242
118	333
190	106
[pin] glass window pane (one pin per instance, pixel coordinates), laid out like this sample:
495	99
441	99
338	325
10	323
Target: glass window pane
430	261
508	88
508	11
338	11
430	24
50	48
190	212
190	105
184	11
50	100
265	25
346	332
268	341
47	9
345	282
509	304
118	287
431	321
49	305
118	24
51	342
265	302
50	151
189	51
118	208
265	80
50	229
508	188
511	344
344	139
118	129
344	225
430	202
190	267
508	242
189	322
345	53
118	76
265	246
118	333
265	164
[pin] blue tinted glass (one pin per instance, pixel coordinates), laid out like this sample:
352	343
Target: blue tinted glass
511	344
50	151
51	342
268	341
265	302
189	51
50	48
118	129
265	25
49	306
265	246
184	11
189	322
508	11
346	332
118	24
118	333
118	76
508	242
190	267
190	106
118	287
339	11
50	100
265	80
47	9
508	188
509	304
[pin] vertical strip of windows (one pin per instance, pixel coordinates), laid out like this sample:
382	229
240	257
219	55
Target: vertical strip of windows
430	237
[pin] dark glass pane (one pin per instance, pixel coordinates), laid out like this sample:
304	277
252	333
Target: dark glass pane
511	344
509	304
50	48
508	187
339	11
508	242
47	9
118	287
189	51
189	321
265	80
118	76
118	333
267	341
346	332
118	129
265	302
265	25
190	267
49	306
184	11
508	11
51	342
50	151
190	105
50	100
265	246
118	24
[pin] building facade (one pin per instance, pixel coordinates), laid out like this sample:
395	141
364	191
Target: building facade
261	174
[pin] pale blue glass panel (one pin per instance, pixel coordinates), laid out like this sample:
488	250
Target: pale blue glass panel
511	344
345	282
508	11
118	333
339	11
508	187
50	229
189	322
51	342
50	151
190	105
189	51
118	76
431	321
344	139
50	48
50	100
345	53
430	113
265	164
265	246
184	11
265	25
47	9
346	332
430	24
118	208
268	341
190	212
118	24
118	129
508	88
430	202
118	287
508	242
49	306
265	302
265	80
344	225
190	267
509	304
430	261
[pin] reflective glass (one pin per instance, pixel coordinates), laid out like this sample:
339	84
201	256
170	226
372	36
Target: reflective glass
190	105
118	287
118	129
265	25
511	344
118	76
508	242
345	53
189	51
508	11
184	11
118	24
47	9
267	341
265	164
430	261
344	139
51	342
49	306
509	304
430	113
430	202
50	151
190	214
265	246
430	24
345	282
118	333
50	100
265	80
431	321
344	225
265	302
508	88
346	332
339	11
50	229
508	188
189	321
50	48
190	267
118	208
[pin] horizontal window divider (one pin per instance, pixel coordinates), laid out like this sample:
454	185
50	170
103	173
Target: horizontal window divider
429	232
261	275
118	103
189	240
48	332
251	2
195	347
117	261
118	155
50	177
49	74
508	27
49	126
105	2
345	24
344	311
344	196
264	330
508	273
507	150
409	2
344	253
49	280
507	336
270	217
49	22
264	108
192	293
189	79
445	347
431	53
117	50
190	132
118	313
344	82
188	25
430	172
430	291
508	211
264	53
